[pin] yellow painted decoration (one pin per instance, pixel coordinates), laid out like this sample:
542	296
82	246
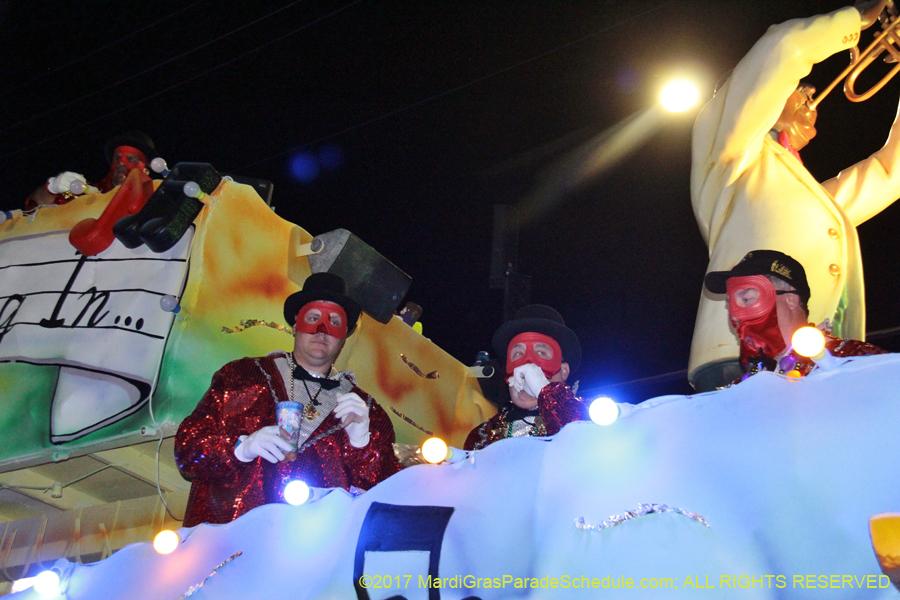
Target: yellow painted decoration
242	262
884	530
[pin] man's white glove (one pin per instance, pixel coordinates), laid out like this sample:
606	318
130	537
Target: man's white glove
266	442
61	183
530	378
354	415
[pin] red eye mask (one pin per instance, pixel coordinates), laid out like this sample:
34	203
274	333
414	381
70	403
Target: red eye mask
323	323
549	367
123	151
756	325
762	307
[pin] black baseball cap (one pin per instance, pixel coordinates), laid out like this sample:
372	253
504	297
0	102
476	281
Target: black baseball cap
762	262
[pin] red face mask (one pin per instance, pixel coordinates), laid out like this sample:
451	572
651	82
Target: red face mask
120	158
323	323
550	367
756	325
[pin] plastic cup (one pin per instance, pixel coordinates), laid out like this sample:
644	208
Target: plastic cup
288	416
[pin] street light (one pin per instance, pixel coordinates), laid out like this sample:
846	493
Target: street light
679	95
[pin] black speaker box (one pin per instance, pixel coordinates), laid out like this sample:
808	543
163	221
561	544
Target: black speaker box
375	282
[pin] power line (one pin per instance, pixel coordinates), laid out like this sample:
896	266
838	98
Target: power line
883	333
347	129
171	87
673	375
100	49
452	90
148	70
670	376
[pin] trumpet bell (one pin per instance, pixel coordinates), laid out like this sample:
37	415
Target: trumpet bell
885	42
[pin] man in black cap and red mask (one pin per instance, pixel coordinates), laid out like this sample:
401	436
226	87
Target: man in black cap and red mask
541	353
124	153
767	295
232	446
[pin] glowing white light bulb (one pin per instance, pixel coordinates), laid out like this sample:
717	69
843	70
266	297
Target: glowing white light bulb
603	411
296	492
808	341
434	450
679	95
166	541
46	583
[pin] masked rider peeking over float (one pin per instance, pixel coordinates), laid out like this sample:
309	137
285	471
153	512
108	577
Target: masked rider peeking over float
541	353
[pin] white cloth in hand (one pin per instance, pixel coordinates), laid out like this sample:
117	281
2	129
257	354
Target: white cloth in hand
266	442
60	183
530	378
354	415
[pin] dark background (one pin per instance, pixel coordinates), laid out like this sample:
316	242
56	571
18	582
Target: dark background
420	117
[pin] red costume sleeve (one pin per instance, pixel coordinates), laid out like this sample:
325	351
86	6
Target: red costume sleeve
204	444
559	407
238	402
480	437
842	348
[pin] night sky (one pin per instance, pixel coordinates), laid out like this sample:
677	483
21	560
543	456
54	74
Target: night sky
406	122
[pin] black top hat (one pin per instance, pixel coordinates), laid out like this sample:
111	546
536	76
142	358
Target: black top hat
540	319
135	139
322	286
762	262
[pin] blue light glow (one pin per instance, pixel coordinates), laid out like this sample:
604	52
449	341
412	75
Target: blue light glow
304	167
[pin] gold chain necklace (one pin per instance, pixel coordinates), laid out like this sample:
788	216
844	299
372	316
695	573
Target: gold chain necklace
309	409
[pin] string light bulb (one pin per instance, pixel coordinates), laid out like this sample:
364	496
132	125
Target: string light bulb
158	165
169	303
808	341
434	450
296	492
603	411
46	583
192	190
77	187
166	541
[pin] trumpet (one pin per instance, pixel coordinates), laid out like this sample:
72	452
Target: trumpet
859	61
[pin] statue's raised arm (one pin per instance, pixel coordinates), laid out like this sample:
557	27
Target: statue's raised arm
750	190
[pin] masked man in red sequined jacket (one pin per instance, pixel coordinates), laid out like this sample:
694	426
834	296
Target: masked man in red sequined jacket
767	295
541	353
232	446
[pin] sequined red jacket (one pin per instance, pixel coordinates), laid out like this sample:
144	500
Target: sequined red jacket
558	407
240	401
838	347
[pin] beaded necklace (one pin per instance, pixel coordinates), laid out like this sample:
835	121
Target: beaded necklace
309	409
